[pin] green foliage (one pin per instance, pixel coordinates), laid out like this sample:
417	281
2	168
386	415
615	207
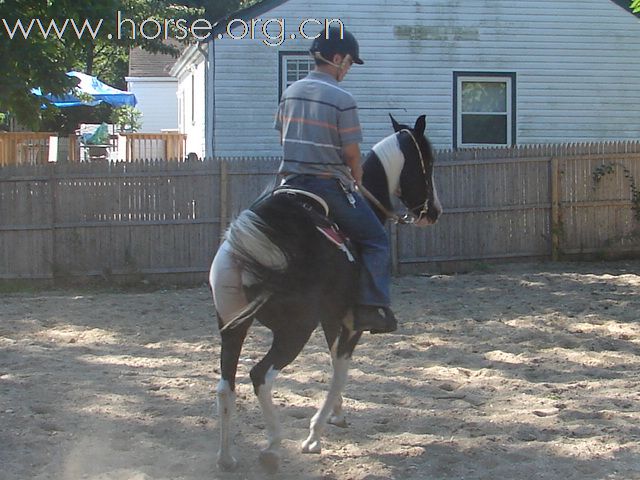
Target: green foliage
600	171
37	61
29	63
66	120
608	169
635	5
127	118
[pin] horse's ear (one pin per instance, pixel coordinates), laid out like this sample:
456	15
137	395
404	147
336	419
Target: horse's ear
421	125
396	126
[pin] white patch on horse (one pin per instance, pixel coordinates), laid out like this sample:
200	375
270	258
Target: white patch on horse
392	159
225	278
244	239
313	442
272	423
226	400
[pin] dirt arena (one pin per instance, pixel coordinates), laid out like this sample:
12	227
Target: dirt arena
512	372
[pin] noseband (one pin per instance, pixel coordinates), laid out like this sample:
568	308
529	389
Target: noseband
405	218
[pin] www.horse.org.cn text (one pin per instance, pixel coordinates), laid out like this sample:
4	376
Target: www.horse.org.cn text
272	32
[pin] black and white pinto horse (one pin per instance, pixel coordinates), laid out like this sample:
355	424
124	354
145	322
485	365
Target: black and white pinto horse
294	279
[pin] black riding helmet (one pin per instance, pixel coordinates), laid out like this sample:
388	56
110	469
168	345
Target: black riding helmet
336	40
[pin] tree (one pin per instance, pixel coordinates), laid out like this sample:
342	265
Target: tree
126	118
40	40
635	5
28	62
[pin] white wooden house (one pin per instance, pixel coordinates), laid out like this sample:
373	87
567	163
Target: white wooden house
155	89
190	71
485	72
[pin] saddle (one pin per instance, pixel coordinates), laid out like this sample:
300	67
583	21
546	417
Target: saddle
319	212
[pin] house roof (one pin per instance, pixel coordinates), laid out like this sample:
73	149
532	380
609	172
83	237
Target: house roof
189	57
259	8
626	4
143	63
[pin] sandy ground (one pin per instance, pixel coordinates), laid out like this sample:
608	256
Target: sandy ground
514	372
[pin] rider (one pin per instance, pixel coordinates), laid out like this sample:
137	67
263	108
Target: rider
320	133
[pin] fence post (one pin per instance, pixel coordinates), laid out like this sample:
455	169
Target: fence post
224	197
168	148
393	244
53	219
556	214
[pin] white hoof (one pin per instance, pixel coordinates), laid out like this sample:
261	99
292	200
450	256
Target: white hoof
311	446
270	461
227	463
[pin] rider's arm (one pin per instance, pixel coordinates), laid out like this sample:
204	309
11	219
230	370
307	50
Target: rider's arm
352	157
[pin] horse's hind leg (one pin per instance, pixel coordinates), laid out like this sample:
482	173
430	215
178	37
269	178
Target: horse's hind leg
337	416
285	348
331	409
232	341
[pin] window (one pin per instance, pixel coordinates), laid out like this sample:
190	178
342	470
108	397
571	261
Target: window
484	109
293	66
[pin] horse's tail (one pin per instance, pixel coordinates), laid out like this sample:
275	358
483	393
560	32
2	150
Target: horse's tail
250	239
281	252
248	312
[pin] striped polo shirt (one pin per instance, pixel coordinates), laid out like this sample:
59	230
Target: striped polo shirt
316	118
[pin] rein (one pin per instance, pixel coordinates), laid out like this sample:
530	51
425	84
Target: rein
394	217
407	218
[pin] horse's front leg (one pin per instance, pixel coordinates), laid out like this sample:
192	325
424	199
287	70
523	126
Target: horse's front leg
331	409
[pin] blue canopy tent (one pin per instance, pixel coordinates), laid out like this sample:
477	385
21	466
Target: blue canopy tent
99	91
95	144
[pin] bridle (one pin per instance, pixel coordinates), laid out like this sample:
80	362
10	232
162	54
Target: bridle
405	218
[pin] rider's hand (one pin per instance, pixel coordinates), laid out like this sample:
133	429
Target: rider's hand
352	157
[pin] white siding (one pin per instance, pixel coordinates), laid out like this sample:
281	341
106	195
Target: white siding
191	99
576	65
157	101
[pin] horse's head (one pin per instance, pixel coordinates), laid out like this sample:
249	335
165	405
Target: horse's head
407	160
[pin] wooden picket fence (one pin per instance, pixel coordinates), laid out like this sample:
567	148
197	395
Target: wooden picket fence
32	148
24	148
535	202
165	145
165	218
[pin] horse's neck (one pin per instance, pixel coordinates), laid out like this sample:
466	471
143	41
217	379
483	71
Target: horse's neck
392	159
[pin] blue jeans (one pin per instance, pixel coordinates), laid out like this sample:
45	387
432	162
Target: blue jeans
361	225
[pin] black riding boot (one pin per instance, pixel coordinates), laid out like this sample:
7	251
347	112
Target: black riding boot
375	319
